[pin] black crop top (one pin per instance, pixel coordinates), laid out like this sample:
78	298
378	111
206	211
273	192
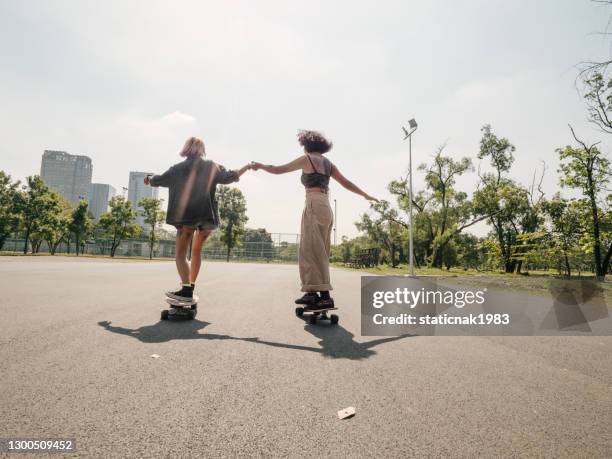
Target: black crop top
316	179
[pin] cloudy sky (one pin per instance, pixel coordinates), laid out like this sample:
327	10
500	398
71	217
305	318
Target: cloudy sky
125	82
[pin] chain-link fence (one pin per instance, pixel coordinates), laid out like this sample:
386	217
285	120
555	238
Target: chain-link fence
271	247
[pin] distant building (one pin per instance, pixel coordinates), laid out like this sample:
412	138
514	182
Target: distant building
99	196
138	190
69	175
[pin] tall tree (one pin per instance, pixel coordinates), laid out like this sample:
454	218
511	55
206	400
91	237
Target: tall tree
55	229
586	168
532	218
565	228
154	217
118	223
8	215
53	225
32	204
81	223
232	212
504	202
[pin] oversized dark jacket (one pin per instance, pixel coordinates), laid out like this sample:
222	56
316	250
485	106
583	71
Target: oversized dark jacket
192	184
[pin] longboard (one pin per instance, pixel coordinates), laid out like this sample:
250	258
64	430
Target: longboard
180	309
181	303
318	314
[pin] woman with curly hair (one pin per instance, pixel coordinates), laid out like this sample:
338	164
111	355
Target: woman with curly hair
317	217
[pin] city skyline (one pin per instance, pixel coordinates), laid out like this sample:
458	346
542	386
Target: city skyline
71	176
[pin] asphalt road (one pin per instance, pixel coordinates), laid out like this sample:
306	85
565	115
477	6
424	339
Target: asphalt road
248	378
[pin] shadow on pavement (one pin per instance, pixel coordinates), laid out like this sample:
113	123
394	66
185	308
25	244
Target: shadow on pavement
336	342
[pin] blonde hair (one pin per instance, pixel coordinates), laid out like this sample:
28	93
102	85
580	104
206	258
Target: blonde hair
193	147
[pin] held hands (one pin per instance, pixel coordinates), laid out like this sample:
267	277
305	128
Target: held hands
147	179
248	167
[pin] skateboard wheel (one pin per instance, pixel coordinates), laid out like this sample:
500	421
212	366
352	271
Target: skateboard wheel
299	312
164	315
192	314
312	320
334	319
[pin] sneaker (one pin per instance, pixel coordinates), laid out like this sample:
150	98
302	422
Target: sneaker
320	304
308	298
184	294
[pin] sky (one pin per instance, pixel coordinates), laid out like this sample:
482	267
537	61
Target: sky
127	82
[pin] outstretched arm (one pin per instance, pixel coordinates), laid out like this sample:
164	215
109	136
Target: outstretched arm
244	168
224	176
294	165
346	183
161	180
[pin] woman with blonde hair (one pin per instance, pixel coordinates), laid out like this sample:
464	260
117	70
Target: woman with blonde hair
192	208
317	217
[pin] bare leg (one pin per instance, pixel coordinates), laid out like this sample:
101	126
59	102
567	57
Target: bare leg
183	236
196	255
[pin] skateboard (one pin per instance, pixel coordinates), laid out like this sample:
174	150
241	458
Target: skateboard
180	309
318	314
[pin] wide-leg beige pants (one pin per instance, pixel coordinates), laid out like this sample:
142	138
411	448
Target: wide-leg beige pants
315	243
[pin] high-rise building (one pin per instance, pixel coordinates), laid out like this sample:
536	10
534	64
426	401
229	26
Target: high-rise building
138	190
69	175
99	196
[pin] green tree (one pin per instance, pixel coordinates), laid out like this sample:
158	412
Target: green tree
469	249
81	223
531	221
258	243
587	169
55	227
442	212
154	217
33	203
36	239
8	215
118	223
343	252
46	222
501	200
349	248
386	230
566	226
232	212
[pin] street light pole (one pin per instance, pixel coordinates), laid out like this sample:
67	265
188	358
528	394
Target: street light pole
408	135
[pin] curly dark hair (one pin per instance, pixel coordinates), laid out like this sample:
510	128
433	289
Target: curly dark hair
314	142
